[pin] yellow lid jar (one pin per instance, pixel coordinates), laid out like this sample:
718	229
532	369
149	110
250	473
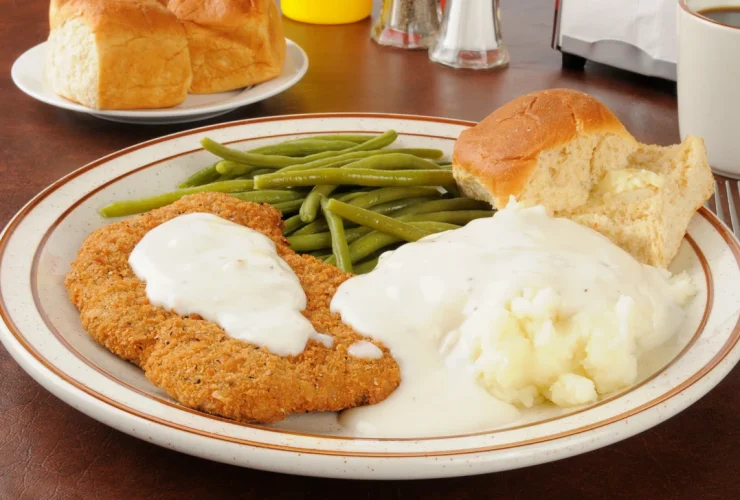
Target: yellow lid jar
327	11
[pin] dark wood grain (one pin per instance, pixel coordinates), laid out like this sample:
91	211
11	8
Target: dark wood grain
49	450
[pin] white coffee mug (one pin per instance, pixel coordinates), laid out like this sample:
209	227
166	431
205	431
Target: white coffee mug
709	83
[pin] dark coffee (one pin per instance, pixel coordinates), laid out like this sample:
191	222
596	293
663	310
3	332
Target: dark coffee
725	15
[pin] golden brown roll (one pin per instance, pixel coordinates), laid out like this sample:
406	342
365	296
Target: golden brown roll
55	5
117	54
233	43
516	149
565	150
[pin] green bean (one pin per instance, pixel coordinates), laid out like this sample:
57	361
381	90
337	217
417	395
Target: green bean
394	161
289	207
339	246
356	138
384	209
276	161
319	254
436	226
291	224
460	217
228	167
325	163
389	208
393	207
421	153
317	241
268	196
456	211
303	147
379	222
202	176
447	205
130	207
366	266
310	206
384	195
208	174
374	241
356	232
377	240
259	171
310	242
243	157
378	142
319	226
353	138
391	161
351	196
322	255
361	177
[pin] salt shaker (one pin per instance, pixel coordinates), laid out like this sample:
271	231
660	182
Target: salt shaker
470	36
408	24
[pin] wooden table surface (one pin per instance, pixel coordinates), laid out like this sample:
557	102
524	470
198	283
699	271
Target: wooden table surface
49	450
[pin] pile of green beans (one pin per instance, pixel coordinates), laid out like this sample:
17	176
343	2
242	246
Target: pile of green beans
345	198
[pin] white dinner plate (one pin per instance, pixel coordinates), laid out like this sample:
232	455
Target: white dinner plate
42	331
29	76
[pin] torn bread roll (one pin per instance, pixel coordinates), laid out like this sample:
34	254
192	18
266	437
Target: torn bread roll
565	150
117	54
233	43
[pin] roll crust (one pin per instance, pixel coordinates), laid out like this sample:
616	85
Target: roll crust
233	43
501	152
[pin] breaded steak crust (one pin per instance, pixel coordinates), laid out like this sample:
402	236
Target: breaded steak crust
194	360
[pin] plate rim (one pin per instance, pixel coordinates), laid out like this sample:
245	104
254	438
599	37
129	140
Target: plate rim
158	114
722	354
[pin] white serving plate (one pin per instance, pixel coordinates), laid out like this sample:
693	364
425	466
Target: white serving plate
29	76
41	330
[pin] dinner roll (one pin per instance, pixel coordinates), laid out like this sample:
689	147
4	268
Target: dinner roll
117	54
233	43
55	5
565	150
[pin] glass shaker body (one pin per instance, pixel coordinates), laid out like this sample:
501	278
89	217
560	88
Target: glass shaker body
470	36
408	24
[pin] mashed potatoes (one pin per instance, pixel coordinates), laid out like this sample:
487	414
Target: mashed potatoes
518	308
530	347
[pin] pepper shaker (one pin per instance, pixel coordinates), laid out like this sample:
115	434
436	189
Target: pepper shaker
470	36
408	24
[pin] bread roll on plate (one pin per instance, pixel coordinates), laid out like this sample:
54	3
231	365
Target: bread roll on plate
233	43
117	54
565	150
55	5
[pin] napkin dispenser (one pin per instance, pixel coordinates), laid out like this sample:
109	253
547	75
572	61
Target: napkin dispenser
635	35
